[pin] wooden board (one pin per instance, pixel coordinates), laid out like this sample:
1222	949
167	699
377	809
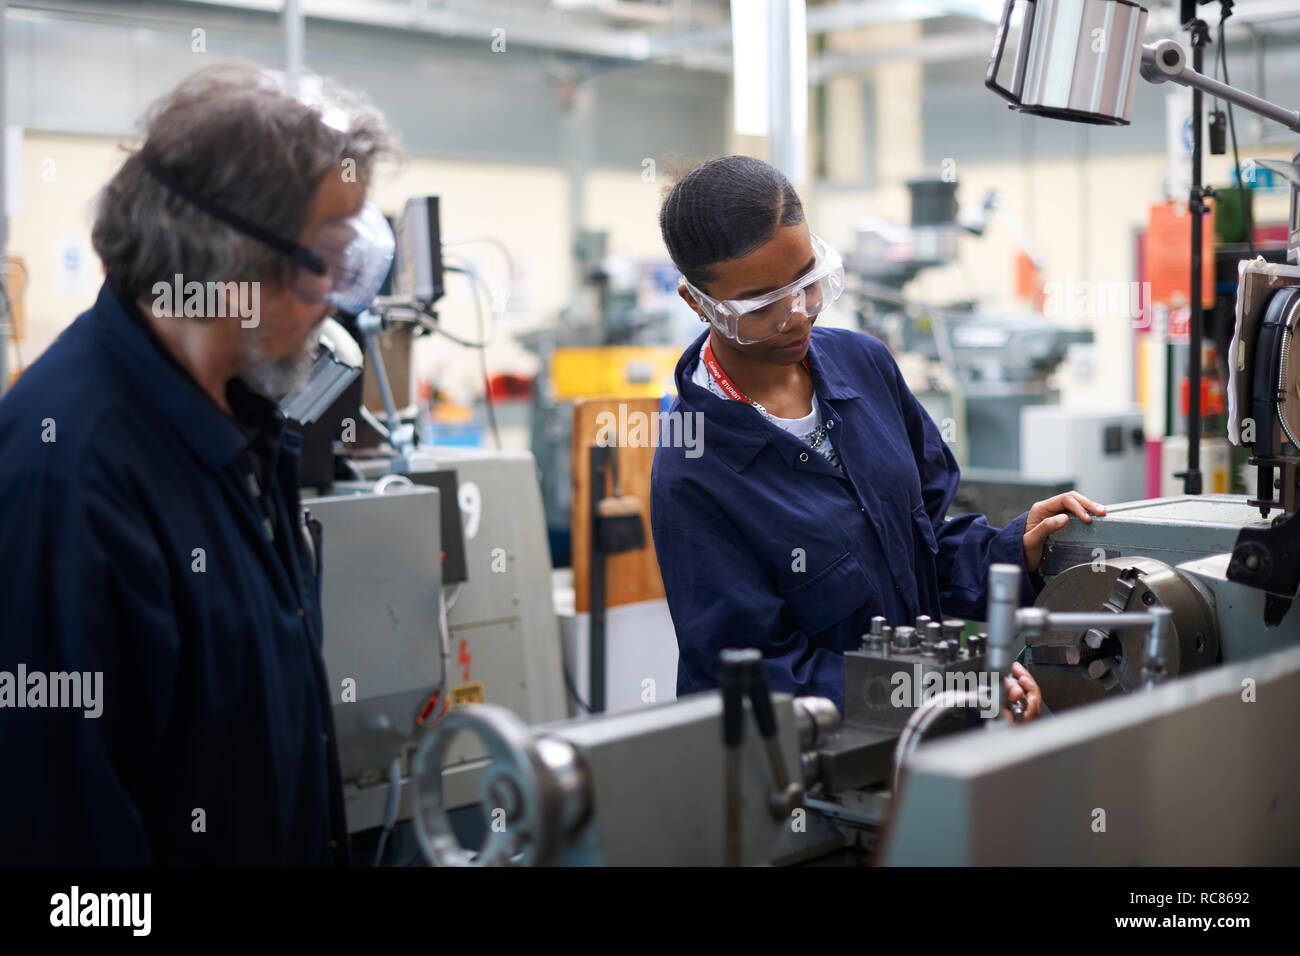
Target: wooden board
634	575
395	345
16	286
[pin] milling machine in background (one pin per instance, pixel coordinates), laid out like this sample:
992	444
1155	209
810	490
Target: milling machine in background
996	364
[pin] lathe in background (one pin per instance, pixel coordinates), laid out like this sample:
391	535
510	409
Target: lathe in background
383	559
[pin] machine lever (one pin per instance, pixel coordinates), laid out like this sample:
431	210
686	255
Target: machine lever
741	675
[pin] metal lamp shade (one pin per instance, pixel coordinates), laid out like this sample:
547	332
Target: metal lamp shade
1074	60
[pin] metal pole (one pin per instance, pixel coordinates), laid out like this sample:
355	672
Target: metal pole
292	24
1257	48
596	656
1084	620
1003	598
1192	478
371	326
579	118
787	87
779	130
1163	62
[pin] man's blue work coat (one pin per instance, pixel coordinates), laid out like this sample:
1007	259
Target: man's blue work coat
763	543
132	543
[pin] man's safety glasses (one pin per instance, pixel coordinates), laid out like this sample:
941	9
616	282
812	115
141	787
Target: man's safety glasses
344	264
355	254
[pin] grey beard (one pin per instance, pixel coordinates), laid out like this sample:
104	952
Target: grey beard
275	378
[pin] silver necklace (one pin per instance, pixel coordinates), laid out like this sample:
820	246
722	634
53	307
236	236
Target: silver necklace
813	438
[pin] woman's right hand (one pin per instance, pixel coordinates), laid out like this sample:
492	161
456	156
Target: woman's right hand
1020	685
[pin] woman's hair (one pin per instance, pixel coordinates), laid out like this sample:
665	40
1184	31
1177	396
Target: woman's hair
232	134
725	209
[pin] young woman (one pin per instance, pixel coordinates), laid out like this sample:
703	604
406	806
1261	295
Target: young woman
820	497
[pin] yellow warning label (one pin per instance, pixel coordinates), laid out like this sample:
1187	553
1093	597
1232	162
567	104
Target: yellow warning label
467	694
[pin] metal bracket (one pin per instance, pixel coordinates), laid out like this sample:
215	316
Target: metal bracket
1269	559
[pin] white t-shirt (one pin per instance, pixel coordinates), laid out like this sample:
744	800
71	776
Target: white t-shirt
801	428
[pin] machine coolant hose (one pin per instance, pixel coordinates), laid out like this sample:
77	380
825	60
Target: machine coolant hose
925	717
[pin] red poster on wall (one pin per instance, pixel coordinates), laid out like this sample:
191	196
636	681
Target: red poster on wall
1168	250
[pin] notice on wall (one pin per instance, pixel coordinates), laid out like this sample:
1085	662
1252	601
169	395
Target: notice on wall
1169	254
73	266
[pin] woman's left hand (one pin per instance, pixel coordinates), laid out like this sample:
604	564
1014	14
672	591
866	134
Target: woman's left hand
1022	686
1053	515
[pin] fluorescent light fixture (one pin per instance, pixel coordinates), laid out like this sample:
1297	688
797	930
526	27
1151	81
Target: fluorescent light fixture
749	66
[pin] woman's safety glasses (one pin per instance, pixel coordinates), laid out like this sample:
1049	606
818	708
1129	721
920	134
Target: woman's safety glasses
755	320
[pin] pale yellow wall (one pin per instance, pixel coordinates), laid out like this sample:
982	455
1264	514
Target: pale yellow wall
525	207
60	176
626	205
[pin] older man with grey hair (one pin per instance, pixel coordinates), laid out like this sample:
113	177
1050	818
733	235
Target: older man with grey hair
153	553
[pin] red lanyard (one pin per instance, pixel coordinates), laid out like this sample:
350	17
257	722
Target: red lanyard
725	383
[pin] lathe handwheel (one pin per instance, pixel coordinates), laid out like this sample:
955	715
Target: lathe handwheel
533	791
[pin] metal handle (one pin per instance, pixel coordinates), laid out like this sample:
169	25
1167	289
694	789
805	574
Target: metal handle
1165	61
741	676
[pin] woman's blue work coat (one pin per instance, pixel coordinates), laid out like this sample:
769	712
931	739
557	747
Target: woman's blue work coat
763	543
